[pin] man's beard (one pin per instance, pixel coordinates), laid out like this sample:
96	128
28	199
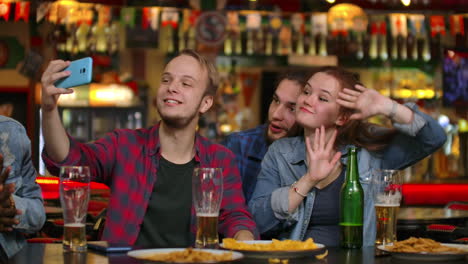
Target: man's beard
177	121
294	131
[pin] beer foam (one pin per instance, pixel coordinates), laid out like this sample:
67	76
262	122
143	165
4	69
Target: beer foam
387	205
389	198
75	225
207	214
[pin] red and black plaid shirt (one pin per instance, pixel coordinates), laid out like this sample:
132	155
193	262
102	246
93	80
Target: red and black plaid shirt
128	160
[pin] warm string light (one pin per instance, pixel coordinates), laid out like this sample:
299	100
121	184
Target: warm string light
406	2
331	1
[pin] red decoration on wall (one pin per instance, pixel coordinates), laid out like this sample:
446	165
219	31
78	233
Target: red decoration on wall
437	25
22	11
145	17
456	25
5	10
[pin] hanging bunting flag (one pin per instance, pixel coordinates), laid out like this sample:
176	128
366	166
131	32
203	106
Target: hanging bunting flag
232	33
150	18
378	41
359	24
145	15
127	16
318	23
5	10
85	15
437	25
285	34
254	21
233	22
22	11
170	17
104	15
62	13
297	22
415	27
275	23
154	18
416	24
398	25
42	11
456	25
53	11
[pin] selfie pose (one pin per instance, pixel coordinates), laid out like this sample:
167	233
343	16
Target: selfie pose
297	191
149	170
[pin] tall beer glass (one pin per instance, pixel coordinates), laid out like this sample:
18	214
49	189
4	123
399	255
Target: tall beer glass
207	191
386	187
74	197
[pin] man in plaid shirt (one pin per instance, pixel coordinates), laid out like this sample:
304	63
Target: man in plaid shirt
251	145
149	170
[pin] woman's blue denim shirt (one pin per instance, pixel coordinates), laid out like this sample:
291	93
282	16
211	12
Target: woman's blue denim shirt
284	164
15	147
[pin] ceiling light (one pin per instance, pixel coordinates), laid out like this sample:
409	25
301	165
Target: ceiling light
406	2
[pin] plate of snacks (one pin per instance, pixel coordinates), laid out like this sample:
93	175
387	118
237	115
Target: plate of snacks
270	249
425	249
185	255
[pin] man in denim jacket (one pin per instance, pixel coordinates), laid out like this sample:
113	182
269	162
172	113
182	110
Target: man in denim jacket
21	204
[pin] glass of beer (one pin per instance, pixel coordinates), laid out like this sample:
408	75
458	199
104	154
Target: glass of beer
386	188
207	192
74	197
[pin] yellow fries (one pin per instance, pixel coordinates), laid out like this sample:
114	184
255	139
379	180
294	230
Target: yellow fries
275	245
416	245
188	256
322	256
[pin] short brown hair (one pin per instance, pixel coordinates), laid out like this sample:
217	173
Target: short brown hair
212	72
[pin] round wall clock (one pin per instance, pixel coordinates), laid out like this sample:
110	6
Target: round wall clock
211	28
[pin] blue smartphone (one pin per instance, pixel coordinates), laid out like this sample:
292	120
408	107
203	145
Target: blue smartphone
81	73
106	247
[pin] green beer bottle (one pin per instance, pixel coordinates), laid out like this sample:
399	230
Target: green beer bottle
351	205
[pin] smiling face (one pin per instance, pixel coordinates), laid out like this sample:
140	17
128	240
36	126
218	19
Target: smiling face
317	104
182	95
281	114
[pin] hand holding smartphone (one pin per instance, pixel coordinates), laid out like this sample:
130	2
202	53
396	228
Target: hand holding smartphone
81	73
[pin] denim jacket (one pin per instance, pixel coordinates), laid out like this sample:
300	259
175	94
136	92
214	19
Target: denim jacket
15	147
284	164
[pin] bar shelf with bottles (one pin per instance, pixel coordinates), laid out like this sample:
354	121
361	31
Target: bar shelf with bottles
90	123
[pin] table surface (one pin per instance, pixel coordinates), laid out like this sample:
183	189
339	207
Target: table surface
53	254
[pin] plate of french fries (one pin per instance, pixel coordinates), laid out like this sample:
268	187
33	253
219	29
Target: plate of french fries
425	249
267	249
185	255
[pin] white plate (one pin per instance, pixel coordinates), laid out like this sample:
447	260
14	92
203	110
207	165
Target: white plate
265	254
429	256
143	254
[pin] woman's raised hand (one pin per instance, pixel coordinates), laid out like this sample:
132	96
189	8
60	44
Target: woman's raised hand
366	102
321	156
